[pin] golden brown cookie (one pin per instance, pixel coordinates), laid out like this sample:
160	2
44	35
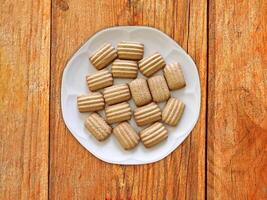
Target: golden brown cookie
116	94
150	65
124	69
98	127
126	135
158	88
103	56
99	80
153	134
91	102
147	114
118	113
140	92
130	50
173	111
174	76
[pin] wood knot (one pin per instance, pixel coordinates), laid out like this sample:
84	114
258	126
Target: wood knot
63	5
132	3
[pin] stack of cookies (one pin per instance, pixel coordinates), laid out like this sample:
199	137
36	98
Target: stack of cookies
125	62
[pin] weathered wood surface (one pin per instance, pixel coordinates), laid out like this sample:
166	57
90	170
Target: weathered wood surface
24	98
237	100
76	173
226	39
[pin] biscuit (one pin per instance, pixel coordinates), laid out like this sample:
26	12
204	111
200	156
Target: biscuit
116	94
103	56
124	69
158	88
118	113
150	65
140	92
130	50
153	134
98	127
173	111
126	135
91	102
174	76
99	80
147	114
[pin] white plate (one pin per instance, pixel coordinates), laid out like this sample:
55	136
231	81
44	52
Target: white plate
74	84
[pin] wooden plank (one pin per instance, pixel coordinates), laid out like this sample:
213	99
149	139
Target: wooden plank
74	172
237	114
24	98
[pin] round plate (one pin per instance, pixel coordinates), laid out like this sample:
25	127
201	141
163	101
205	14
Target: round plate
74	84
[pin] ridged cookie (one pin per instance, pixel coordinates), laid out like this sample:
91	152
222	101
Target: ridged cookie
98	127
147	114
124	69
103	56
158	88
174	76
99	80
91	102
140	92
118	113
116	94
130	50
150	65
153	134
173	111
126	135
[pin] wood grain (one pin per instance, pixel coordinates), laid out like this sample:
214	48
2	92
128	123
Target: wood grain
24	98
237	108
74	172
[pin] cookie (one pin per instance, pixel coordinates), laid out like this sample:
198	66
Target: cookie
173	111
140	92
116	94
118	113
174	76
124	69
103	56
91	102
99	80
147	114
153	134
150	65
98	127
126	135
158	88
130	50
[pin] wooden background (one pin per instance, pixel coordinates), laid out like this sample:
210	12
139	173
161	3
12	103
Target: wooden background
223	158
